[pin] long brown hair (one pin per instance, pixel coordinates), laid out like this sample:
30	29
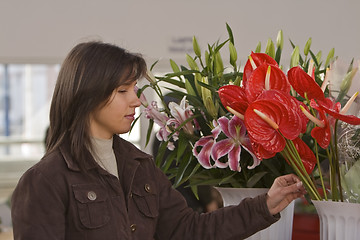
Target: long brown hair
87	78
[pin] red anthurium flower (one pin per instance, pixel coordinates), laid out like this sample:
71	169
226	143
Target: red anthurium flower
351	119
257	60
272	140
260	152
307	156
233	96
287	100
266	77
321	134
303	83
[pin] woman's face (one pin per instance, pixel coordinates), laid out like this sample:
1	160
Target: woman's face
116	116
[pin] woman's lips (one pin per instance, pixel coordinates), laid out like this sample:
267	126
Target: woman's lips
130	116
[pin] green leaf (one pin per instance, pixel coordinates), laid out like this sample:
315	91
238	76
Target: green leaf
227	179
231	36
168	161
186	159
280	40
314	58
174	82
153	65
253	180
278	55
160	155
183	143
149	131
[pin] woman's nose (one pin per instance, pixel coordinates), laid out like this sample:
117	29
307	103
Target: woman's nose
135	101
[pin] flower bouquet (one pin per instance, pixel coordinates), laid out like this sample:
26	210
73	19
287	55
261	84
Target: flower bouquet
244	126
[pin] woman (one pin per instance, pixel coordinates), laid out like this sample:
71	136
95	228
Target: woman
91	184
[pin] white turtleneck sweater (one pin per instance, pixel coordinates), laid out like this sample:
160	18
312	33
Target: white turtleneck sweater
103	154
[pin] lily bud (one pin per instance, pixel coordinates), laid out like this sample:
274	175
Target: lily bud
330	57
150	77
189	88
233	54
318	56
295	56
270	49
307	47
237	81
174	66
346	84
191	62
219	67
207	59
196	47
280	40
210	107
258	48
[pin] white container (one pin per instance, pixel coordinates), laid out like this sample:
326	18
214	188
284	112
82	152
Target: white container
338	220
281	230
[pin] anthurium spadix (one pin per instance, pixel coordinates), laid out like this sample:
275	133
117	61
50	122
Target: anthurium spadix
254	61
260	131
263	78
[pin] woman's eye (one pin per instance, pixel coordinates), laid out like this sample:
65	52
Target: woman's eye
122	91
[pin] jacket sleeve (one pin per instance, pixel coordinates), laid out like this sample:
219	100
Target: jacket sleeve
177	221
38	211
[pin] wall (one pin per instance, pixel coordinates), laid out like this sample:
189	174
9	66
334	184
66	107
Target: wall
44	31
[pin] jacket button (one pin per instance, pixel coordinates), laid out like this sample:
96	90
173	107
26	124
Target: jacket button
91	195
131	195
133	227
147	188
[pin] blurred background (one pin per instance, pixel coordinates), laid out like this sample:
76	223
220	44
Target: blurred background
36	35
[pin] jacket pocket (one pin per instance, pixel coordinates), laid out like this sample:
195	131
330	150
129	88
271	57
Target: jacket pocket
92	205
146	199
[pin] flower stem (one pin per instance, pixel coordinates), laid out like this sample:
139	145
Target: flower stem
300	171
320	171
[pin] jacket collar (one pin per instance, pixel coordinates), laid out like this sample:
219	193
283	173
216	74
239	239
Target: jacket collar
120	146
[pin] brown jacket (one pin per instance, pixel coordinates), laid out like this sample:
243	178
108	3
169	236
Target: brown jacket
55	200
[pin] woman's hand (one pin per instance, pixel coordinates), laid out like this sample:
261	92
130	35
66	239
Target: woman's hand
283	191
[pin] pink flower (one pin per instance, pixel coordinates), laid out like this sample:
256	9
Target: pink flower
235	132
181	113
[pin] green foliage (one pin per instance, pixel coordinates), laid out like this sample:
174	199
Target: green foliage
199	82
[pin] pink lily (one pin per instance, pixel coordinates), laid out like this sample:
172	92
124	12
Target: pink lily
206	143
181	112
235	131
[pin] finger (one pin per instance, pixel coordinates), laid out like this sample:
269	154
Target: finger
294	188
292	178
